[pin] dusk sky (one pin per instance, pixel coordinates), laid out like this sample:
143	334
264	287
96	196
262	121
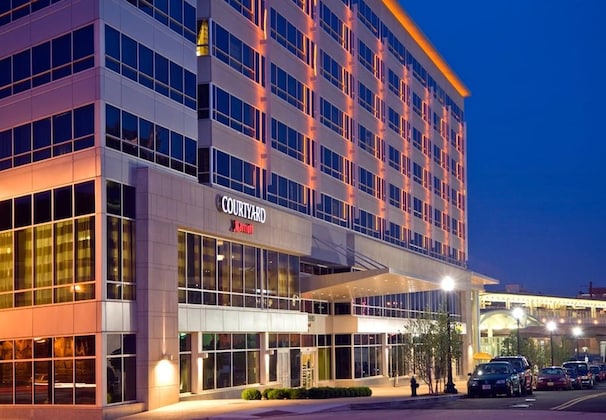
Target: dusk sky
536	135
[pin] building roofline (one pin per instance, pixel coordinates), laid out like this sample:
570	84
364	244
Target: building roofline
420	38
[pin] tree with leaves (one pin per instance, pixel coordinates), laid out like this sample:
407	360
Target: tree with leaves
426	342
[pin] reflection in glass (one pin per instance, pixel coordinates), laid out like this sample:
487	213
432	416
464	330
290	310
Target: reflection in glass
64	381
6	381
23	381
85	381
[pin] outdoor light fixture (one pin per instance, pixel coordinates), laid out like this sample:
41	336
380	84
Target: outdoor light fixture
448	285
518	313
551	327
576	332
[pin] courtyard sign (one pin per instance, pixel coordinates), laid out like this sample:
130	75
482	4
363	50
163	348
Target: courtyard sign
241	209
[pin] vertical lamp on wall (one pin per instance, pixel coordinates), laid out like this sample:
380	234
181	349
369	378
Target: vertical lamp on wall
518	313
448	286
576	332
551	327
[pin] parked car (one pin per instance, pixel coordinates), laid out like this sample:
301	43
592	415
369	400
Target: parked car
574	376
603	371
597	372
553	377
524	369
492	379
582	368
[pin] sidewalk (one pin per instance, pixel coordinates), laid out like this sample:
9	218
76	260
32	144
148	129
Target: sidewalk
383	397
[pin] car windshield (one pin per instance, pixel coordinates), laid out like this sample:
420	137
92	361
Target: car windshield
489	368
580	368
552	371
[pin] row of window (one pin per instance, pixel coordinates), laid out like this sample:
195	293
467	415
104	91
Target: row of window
218	272
178	15
11	10
142	138
48	370
243	176
141	64
55	135
52	60
382	32
296	42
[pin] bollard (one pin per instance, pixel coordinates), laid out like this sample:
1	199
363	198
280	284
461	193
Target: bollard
413	386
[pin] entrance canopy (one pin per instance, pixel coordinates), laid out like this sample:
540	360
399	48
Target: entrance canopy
342	287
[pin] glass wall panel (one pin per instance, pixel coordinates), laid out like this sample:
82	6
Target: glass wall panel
43	257
223	271
23	259
85	249
23	382
64	260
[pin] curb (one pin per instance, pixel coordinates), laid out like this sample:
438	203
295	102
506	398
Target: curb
408	402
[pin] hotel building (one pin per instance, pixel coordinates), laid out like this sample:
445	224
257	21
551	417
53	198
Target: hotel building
199	197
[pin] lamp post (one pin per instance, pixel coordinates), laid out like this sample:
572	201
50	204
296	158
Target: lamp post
518	313
576	332
551	327
448	286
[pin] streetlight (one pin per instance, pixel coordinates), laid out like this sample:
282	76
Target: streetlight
551	327
448	286
576	332
518	313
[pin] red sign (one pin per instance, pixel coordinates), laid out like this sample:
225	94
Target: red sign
239	227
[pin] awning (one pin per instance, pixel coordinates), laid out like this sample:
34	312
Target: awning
342	287
481	356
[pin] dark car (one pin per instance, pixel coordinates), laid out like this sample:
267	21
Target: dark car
553	377
574	376
524	369
583	372
597	372
493	378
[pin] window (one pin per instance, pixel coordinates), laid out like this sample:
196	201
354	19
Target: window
287	35
170	79
54	260
335	27
236	54
53	60
238	115
237	174
335	165
292	143
120	241
395	158
121	355
370	142
370	60
335	119
291	90
142	138
335	73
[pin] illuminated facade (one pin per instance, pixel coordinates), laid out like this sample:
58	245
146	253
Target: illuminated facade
200	197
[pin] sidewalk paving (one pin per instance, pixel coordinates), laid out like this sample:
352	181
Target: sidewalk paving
383	397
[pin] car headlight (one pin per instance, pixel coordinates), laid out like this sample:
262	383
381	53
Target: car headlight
473	382
501	381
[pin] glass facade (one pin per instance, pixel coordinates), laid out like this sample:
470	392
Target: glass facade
218	272
52	136
230	360
48	370
53	60
47	247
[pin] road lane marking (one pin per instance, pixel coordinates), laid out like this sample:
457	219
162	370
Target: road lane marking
575	401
